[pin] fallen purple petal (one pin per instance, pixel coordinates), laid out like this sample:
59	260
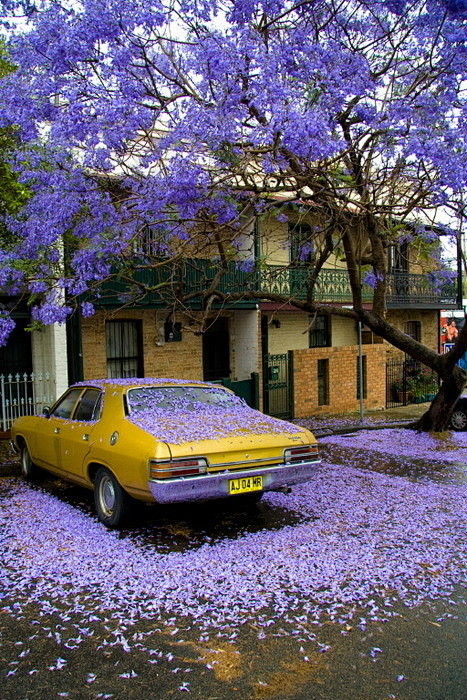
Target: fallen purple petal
366	541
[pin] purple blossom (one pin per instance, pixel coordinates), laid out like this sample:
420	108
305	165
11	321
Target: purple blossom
6	327
87	309
246	265
85	93
372	279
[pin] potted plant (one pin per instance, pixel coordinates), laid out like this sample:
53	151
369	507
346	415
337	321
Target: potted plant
423	384
401	391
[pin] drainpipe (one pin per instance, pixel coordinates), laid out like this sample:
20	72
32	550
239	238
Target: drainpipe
360	368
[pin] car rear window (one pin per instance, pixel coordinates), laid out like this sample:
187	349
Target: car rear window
185	398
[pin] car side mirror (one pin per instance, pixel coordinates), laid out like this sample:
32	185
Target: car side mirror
46	412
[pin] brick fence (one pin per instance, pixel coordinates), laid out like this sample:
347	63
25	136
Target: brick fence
342	379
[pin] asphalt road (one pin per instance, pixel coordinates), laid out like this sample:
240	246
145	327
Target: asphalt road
418	654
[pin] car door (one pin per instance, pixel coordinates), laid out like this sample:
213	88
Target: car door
47	438
76	433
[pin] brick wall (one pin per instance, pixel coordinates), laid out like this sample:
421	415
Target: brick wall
342	379
429	321
183	359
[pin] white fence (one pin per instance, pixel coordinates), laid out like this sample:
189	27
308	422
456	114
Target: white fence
23	395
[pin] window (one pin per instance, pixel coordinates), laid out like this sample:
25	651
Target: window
323	382
398	257
301	244
124	349
369	338
89	405
320	333
413	329
65	407
363	378
152	241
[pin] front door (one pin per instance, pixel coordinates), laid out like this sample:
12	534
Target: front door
216	350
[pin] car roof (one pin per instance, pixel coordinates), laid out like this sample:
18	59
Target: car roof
134	382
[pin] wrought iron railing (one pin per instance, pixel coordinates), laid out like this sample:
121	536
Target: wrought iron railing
158	286
334	286
23	395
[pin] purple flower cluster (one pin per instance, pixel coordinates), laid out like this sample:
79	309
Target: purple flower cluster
85	92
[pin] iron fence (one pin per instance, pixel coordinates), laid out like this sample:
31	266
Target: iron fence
23	395
408	381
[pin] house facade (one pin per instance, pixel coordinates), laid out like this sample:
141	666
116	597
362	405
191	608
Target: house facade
279	358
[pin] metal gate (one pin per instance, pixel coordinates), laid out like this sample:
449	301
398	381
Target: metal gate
277	385
247	389
408	381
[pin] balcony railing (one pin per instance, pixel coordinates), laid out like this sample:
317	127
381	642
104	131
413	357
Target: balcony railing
157	287
404	289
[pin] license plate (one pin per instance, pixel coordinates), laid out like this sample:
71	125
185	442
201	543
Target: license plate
245	485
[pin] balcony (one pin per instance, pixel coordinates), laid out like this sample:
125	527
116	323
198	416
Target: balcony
157	287
405	290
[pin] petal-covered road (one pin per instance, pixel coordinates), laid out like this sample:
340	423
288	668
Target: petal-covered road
361	546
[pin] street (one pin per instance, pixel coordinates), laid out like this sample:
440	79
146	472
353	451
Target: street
350	587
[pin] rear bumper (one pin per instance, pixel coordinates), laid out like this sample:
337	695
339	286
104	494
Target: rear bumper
212	486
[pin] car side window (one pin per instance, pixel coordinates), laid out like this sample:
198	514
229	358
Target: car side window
88	408
64	408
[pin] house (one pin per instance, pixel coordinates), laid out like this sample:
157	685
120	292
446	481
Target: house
277	357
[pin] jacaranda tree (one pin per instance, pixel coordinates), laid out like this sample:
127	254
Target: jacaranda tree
190	117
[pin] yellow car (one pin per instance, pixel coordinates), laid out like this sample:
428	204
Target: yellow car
162	441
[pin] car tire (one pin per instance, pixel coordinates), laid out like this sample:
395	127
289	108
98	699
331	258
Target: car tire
29	471
459	419
114	506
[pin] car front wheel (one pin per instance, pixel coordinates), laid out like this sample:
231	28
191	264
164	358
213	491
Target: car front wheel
459	419
113	505
29	470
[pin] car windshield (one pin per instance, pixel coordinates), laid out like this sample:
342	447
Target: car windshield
180	398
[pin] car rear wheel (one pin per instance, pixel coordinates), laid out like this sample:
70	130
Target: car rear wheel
459	419
29	470
113	505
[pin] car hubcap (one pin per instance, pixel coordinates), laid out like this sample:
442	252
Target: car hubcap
107	496
459	420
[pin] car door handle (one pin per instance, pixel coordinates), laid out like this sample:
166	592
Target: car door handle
86	437
56	430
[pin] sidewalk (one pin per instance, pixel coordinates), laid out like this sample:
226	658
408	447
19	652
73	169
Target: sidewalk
386	418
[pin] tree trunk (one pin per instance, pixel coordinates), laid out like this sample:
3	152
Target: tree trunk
437	418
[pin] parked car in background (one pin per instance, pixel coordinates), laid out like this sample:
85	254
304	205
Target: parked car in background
459	415
162	441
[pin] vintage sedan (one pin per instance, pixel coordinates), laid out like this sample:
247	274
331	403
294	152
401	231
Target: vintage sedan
162	441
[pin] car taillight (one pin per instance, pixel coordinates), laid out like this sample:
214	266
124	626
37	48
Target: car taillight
170	469
302	453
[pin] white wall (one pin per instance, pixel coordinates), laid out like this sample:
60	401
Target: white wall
245	338
49	355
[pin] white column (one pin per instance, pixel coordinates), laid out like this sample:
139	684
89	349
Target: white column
49	356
